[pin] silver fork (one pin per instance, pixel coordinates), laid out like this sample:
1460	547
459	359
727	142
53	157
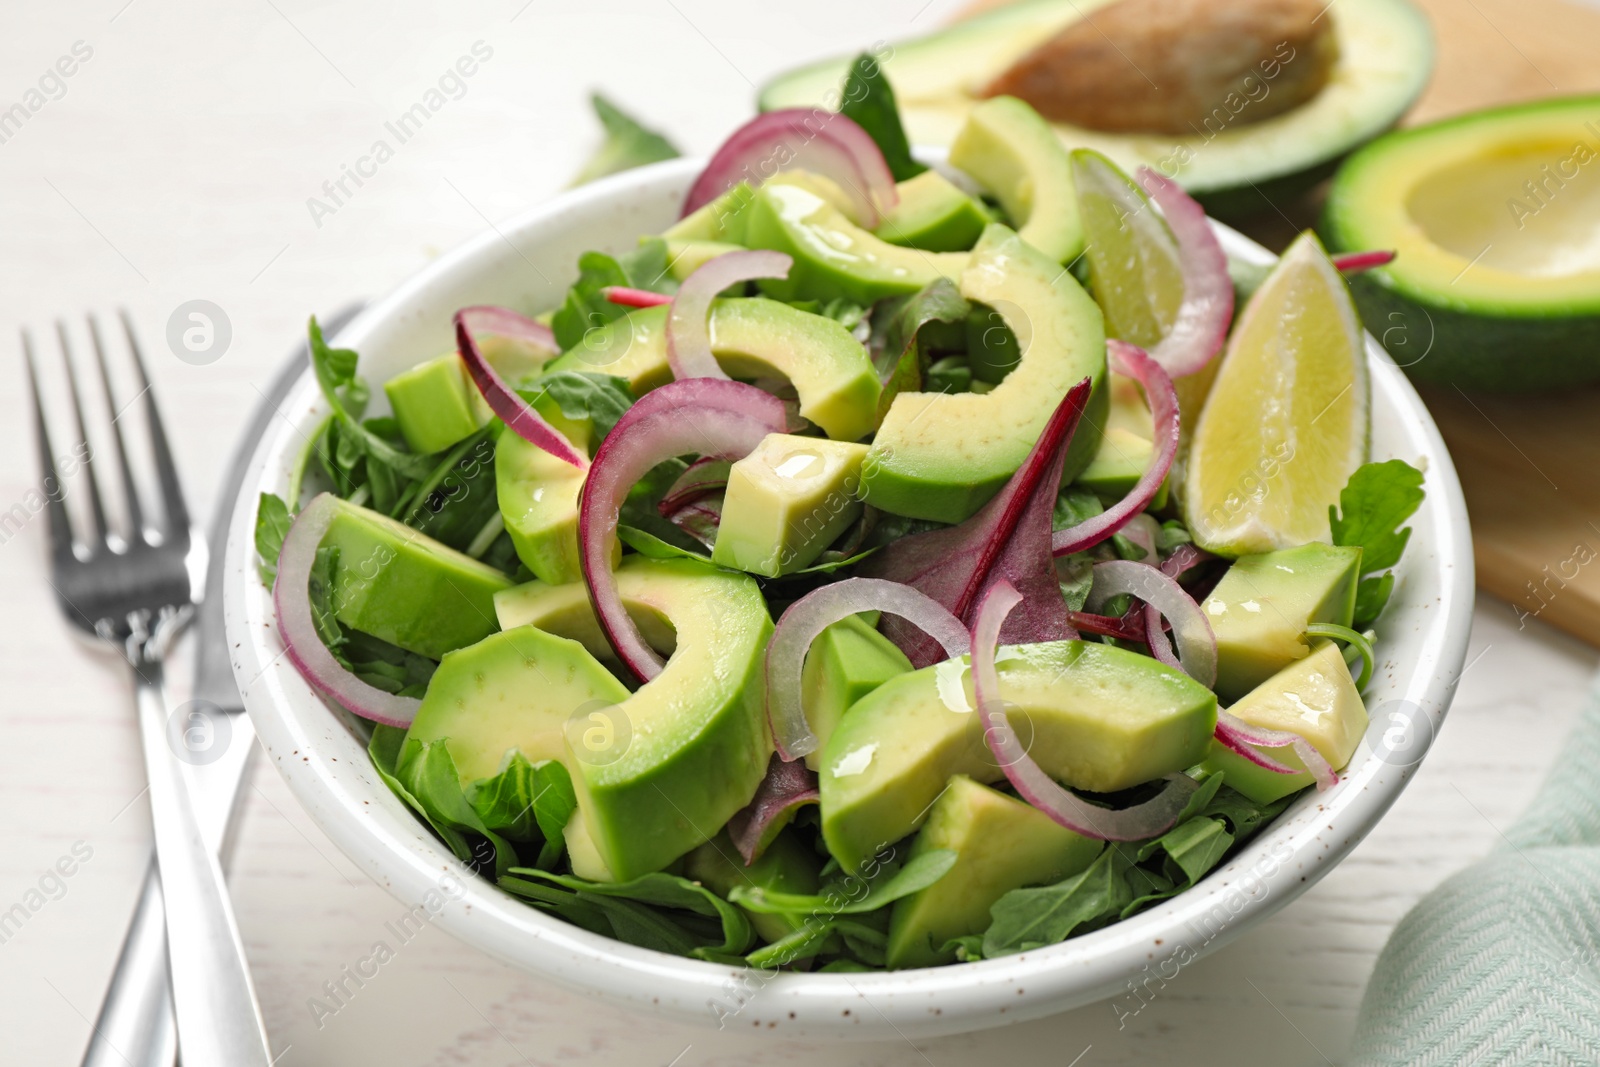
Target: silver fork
134	594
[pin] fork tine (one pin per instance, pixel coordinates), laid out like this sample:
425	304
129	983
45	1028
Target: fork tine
177	513
55	492
97	513
129	490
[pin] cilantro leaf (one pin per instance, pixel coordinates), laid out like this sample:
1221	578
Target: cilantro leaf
1377	499
627	143
869	101
272	525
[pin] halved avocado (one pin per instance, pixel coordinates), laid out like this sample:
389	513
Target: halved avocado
751	338
941	456
1494	215
663	768
1385	54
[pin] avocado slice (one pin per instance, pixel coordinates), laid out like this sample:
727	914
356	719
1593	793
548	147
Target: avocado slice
720	220
1496	284
436	404
1013	153
1384	58
752	338
1001	844
684	257
786	502
538	497
1095	717
696	733
847	661
785	866
1125	448
1314	697
941	456
402	586
933	215
1263	604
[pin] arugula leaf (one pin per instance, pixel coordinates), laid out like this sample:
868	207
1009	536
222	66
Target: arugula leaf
1377	499
869	100
649	545
347	396
627	143
586	307
896	328
839	899
272	525
429	774
457	497
600	398
1029	918
526	802
630	905
385	666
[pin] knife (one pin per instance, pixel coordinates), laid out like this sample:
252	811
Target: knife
136	1027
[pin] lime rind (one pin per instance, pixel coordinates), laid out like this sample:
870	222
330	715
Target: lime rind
1132	257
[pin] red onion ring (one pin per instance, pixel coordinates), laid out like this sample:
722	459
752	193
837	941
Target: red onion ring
292	600
688	333
815	612
1163	399
1242	738
1356	262
823	142
628	296
518	415
1191	631
726	420
786	786
1201	326
1153	817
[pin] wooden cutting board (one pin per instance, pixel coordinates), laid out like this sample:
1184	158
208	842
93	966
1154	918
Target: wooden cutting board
1530	465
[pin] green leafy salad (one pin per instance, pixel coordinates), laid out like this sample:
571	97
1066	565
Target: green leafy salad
880	567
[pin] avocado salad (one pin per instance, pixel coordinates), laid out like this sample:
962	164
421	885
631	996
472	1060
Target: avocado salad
881	567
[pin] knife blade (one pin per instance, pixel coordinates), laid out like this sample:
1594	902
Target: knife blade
136	1027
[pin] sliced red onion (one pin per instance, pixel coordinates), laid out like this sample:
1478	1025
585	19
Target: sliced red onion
1240	737
1163	400
705	416
518	415
1201	326
787	786
1184	559
1197	645
815	612
292	600
1356	262
822	142
700	520
1153	817
705	477
634	298
688	332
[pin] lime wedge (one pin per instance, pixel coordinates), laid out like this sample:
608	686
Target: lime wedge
1286	423
1132	257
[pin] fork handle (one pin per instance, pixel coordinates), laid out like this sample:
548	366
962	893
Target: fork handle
213	1000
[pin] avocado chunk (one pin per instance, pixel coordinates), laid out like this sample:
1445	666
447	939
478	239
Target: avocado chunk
1125	448
1260	609
1094	717
1314	697
784	866
1013	153
786	502
941	456
933	215
834	257
752	338
847	661
1384	58
696	733
721	219
685	257
436	404
1509	193
538	496
402	586
1000	844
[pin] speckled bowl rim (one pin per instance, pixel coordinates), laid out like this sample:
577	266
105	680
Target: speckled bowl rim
525	263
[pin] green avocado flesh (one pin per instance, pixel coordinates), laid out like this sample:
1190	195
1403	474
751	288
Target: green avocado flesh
941	456
752	338
1125	447
1493	215
538	497
847	661
400	585
1260	609
1385	55
669	764
1012	152
933	215
784	866
1001	844
436	404
1092	716
1314	697
786	502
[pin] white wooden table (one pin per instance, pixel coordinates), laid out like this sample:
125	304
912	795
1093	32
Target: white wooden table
175	163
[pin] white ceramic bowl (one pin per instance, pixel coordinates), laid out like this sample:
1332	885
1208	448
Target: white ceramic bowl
526	264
